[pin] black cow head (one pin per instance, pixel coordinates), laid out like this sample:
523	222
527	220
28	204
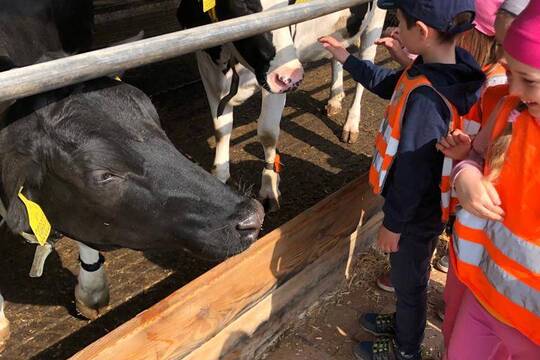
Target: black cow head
97	161
271	55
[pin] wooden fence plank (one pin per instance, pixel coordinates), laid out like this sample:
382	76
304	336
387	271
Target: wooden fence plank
191	316
248	336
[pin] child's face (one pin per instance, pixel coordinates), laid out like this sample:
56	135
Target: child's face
410	38
525	83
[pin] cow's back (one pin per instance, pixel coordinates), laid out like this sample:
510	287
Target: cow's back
31	28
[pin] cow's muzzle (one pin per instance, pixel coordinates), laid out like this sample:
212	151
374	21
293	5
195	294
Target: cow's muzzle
250	225
285	79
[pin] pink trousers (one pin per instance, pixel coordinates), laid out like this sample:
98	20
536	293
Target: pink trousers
453	294
477	335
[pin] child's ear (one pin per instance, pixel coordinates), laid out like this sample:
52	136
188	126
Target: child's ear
423	29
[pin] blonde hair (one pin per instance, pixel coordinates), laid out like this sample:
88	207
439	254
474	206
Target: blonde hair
496	156
482	47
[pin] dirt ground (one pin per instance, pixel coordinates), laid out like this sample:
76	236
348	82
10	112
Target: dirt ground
331	329
44	322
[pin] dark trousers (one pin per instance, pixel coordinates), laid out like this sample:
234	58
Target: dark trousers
410	275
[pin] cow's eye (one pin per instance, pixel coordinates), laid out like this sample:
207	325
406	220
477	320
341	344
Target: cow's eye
104	177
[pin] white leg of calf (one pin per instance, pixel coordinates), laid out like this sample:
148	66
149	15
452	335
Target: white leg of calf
4	326
223	129
268	132
368	50
337	94
92	290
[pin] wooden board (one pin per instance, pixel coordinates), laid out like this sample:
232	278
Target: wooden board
249	336
245	285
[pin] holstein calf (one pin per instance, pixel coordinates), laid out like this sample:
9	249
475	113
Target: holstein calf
97	161
271	63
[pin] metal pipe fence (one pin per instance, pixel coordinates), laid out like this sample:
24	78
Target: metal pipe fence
33	79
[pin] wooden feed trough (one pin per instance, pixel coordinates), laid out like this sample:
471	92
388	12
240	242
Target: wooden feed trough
239	307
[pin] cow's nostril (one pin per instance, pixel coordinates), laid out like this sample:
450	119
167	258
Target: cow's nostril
250	226
252	222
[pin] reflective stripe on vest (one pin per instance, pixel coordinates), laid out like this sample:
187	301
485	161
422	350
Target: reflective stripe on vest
504	283
500	261
388	137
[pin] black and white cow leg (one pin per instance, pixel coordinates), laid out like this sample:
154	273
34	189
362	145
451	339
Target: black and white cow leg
368	50
4	326
268	132
223	129
333	107
216	85
92	290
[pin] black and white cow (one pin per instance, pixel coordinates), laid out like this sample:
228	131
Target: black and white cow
272	62
96	159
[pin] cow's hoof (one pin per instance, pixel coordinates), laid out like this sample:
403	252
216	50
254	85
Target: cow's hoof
4	334
349	137
92	303
88	312
332	110
270	205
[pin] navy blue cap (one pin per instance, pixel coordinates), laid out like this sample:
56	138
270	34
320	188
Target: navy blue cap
438	14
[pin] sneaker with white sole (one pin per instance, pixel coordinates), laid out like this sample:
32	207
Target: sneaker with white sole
385	283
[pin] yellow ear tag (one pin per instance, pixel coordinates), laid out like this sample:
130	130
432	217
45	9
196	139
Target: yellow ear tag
38	221
301	1
208	5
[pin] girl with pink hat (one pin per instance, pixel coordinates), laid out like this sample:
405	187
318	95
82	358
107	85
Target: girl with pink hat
496	244
480	41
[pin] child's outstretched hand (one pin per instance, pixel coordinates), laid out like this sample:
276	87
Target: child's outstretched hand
387	241
477	195
395	49
455	145
335	48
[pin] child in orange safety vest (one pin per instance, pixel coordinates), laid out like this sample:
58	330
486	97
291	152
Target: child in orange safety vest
481	43
427	99
454	289
496	245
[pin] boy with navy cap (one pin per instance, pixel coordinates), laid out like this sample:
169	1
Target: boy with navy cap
427	100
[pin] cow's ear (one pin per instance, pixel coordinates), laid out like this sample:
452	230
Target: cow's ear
20	165
17	216
25	177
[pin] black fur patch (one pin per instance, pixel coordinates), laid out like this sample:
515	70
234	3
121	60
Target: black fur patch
358	14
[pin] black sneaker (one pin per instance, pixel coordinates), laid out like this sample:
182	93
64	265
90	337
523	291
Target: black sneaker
378	324
382	348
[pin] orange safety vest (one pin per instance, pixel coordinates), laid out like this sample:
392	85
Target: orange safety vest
500	261
387	140
495	77
494	89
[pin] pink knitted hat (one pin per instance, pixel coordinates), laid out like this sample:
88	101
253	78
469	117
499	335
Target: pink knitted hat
522	41
484	20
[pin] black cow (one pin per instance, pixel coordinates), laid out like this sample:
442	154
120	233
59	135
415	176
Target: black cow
96	159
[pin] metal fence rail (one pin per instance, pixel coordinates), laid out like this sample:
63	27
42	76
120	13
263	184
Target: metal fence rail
29	80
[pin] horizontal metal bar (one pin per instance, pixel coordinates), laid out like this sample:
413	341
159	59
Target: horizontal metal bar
33	79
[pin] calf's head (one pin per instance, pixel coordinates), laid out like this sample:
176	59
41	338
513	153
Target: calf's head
97	161
271	56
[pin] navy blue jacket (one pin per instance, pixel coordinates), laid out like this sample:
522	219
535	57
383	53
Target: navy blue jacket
412	194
